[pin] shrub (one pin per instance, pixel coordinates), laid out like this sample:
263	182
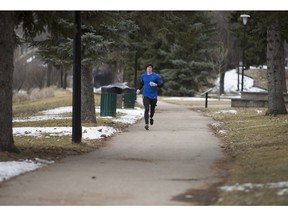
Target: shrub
34	94
42	93
20	96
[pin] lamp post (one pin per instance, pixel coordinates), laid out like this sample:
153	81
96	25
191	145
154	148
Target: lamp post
76	110
245	20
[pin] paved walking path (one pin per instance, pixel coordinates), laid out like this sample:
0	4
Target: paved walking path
137	167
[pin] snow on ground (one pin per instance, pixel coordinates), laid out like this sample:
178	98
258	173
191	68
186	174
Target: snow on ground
230	86
231	81
249	186
87	132
129	116
14	168
193	99
226	111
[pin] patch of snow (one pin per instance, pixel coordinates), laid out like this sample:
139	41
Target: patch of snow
97	132
222	132
193	99
259	111
282	192
231	81
217	124
87	132
249	186
57	111
226	111
130	116
13	168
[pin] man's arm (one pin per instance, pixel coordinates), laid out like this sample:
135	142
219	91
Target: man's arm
159	82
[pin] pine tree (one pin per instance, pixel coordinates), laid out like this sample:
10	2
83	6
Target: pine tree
188	65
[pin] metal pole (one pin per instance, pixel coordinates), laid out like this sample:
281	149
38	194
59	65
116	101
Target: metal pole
76	111
135	73
243	61
135	70
238	78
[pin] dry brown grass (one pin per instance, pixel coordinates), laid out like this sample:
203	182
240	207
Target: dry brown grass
258	148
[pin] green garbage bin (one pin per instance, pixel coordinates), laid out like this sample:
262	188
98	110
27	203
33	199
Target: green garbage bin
129	98
108	102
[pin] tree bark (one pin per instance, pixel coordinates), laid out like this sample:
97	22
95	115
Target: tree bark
119	71
7	46
275	69
119	75
88	114
221	85
65	80
49	72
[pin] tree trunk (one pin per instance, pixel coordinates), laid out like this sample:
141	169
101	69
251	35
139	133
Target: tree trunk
7	45
119	71
65	80
61	77
275	69
221	84
119	75
87	95
49	72
284	77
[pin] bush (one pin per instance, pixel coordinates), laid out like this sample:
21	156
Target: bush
20	96
34	94
42	93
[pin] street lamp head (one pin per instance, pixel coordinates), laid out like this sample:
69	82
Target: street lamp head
245	18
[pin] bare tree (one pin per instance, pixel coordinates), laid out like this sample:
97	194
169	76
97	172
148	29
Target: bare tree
219	61
275	69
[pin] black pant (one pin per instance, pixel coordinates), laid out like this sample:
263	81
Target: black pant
149	104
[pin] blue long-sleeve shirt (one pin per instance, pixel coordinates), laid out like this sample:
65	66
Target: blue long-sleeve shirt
150	91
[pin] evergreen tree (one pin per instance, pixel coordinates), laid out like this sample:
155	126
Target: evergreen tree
103	40
178	45
186	63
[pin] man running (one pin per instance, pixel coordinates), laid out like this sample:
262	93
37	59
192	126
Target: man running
150	81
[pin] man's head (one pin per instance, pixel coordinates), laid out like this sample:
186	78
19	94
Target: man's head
149	68
149	65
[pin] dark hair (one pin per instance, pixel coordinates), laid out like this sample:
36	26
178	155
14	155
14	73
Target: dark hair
148	66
